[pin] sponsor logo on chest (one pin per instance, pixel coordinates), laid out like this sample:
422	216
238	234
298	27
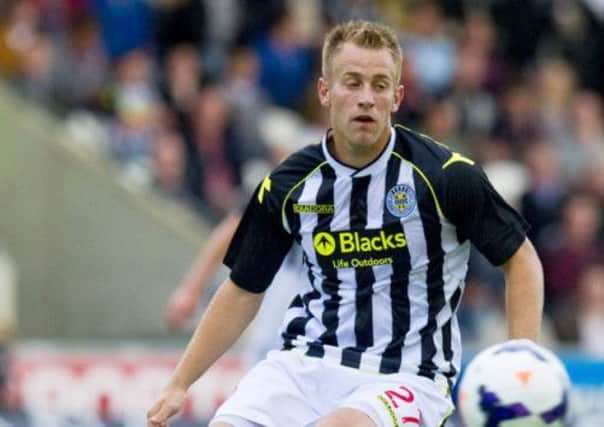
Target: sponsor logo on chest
363	248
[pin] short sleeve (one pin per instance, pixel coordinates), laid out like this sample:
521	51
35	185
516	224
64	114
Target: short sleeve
259	244
479	212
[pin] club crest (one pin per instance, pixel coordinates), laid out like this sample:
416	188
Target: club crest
401	200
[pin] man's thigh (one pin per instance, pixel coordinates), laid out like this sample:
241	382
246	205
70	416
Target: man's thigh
346	417
275	392
409	401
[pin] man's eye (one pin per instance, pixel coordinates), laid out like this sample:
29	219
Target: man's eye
353	83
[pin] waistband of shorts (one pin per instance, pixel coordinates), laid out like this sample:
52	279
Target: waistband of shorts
443	382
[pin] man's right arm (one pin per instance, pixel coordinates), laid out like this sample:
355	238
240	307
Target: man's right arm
229	313
255	254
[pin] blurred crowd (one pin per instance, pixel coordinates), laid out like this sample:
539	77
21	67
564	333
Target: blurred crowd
197	98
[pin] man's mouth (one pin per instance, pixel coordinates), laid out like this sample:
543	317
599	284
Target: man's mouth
363	119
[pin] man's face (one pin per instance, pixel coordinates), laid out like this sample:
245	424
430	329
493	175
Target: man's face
360	92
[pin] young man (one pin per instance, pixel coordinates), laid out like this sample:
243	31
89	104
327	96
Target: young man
385	217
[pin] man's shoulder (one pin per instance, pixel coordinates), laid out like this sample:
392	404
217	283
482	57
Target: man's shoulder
432	157
295	169
420	148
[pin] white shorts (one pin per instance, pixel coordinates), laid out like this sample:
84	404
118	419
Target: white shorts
290	389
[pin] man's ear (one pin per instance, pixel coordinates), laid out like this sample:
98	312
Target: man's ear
399	94
323	92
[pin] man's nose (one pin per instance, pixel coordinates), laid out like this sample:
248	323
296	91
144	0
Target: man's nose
366	97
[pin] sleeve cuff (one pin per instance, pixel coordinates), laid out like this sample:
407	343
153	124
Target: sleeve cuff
246	283
499	250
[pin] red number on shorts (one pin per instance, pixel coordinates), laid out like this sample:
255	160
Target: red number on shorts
394	395
410	420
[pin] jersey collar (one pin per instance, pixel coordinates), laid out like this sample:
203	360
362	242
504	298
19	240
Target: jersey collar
372	168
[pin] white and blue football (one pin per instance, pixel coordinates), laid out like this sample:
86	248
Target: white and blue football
513	384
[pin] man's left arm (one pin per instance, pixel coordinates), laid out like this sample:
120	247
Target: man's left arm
523	293
499	233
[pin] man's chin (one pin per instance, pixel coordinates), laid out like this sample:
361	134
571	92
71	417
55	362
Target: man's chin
364	141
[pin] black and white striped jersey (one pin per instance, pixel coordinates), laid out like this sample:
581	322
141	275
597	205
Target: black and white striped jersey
386	249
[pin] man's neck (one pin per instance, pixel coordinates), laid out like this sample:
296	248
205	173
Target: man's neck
355	156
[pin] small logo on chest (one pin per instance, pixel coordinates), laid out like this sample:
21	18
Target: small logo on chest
313	209
401	200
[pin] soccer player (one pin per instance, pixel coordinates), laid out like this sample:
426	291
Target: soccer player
385	217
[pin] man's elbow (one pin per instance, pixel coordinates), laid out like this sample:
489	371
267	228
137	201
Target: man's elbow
525	258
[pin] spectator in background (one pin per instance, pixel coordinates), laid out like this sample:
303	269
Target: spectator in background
126	25
23	26
517	124
286	66
556	88
588	119
222	34
136	104
257	16
568	253
576	33
415	103
182	76
521	24
247	101
168	165
542	203
178	23
476	107
556	85
587	126
31	51
430	52
84	67
39	66
441	122
9	62
180	87
215	168
480	38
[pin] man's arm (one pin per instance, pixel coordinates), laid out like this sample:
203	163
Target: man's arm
184	299
229	313
524	293
499	233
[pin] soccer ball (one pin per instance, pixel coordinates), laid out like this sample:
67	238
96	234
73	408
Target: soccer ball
512	384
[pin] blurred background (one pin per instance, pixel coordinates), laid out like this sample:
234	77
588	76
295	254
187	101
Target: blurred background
129	128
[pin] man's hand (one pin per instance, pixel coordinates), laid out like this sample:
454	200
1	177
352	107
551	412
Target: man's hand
170	402
181	307
231	310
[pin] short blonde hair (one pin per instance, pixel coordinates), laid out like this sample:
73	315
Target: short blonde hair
370	35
